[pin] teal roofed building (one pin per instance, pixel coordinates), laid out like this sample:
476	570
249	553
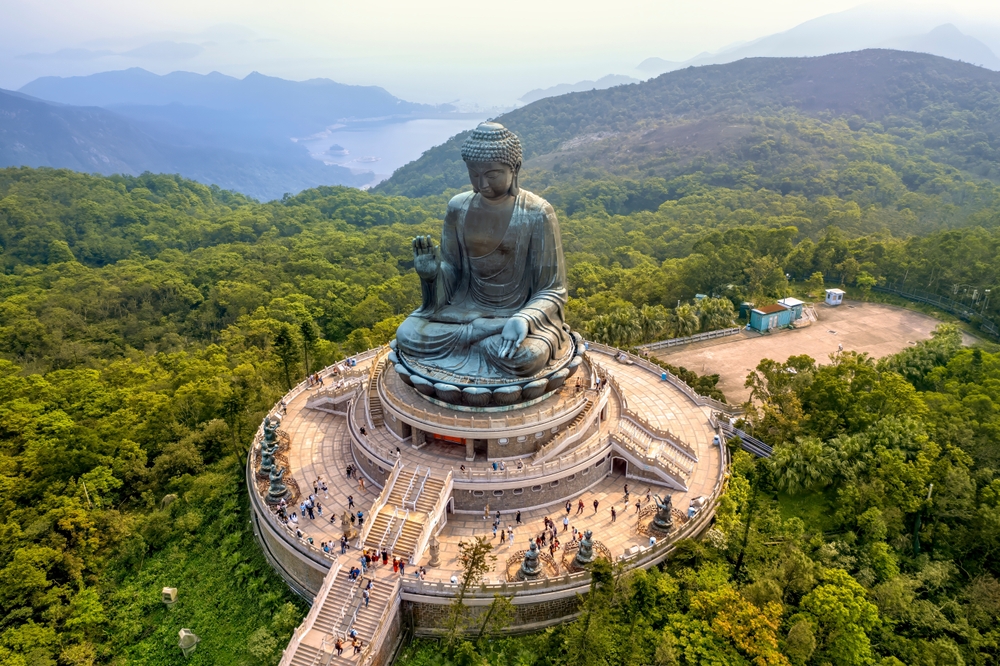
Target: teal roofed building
770	317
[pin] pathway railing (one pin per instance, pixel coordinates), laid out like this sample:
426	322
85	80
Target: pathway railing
674	342
749	443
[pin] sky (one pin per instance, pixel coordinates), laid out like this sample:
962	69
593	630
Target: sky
429	51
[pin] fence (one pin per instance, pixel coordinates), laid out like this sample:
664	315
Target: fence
957	308
675	342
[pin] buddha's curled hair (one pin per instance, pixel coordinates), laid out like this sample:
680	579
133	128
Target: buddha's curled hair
492	142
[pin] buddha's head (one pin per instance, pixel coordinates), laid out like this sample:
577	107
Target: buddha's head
493	157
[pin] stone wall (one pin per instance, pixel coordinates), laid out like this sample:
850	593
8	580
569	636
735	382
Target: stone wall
303	575
431	618
533	493
522	445
393	637
374	468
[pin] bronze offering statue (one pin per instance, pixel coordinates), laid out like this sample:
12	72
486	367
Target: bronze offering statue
491	325
585	555
277	490
532	566
663	520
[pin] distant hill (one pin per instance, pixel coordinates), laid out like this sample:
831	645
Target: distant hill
37	133
563	88
678	123
863	27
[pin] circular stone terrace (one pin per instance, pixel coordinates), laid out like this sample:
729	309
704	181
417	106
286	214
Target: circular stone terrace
648	430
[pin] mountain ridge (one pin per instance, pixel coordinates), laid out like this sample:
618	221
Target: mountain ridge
872	84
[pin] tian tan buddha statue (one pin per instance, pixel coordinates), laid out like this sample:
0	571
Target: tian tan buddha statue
491	324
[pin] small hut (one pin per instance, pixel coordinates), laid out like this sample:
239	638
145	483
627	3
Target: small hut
834	296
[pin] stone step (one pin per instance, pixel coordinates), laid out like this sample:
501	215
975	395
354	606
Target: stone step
305	655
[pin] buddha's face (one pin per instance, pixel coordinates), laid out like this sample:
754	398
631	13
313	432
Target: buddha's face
490	179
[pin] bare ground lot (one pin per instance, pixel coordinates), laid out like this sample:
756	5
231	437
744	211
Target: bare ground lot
878	329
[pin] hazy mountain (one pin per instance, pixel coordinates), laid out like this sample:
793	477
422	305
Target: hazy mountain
715	114
563	88
947	41
37	133
316	102
868	26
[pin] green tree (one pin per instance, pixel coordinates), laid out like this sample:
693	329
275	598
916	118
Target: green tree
287	351
310	334
865	282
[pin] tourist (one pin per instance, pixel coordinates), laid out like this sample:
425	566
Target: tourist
569	507
395	565
343	544
486	511
626	490
565	522
497	517
503	468
348	470
362	430
284	406
494	465
366	595
399	454
361	483
319	509
503	535
385	557
461	468
298	533
579	507
517	517
422	573
510	535
402	567
294	519
614	514
520	465
357	641
352	519
324	488
595	506
652	541
315	488
494	530
350	501
339	645
361	519
637	505
454	579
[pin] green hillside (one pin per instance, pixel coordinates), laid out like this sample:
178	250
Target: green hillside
144	328
778	123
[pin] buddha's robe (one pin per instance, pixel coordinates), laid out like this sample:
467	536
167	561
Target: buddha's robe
465	306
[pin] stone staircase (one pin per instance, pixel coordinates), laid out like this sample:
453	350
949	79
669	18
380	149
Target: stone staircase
340	611
409	504
374	404
656	447
645	452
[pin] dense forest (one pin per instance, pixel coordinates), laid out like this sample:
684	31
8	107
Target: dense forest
147	323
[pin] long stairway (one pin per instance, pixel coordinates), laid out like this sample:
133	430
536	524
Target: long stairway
374	404
410	503
340	611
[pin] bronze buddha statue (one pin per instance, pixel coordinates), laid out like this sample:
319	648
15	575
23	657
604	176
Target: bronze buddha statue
494	292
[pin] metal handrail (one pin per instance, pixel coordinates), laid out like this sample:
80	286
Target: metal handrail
388	528
399	532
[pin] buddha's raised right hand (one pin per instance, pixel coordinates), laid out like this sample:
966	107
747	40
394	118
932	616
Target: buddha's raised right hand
425	259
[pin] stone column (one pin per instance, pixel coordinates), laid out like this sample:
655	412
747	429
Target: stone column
470	449
418	437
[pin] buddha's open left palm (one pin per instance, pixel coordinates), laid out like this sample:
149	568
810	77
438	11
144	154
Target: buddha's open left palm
514	333
425	259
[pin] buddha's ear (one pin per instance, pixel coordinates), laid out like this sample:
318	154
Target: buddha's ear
513	181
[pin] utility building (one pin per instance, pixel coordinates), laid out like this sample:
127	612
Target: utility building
770	317
834	296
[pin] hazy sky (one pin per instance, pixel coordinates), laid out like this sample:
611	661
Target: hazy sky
429	51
